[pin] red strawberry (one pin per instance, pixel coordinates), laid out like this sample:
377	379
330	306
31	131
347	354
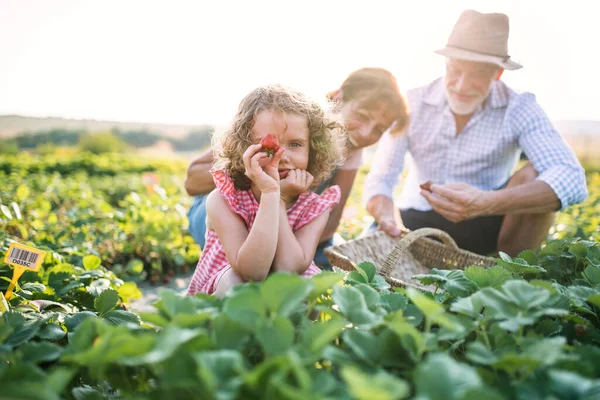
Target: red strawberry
426	186
270	144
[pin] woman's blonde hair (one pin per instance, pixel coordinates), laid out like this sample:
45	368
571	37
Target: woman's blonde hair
327	137
373	87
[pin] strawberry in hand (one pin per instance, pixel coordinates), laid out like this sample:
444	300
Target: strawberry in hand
426	186
270	144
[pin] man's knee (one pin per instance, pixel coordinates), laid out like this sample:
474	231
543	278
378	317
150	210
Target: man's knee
525	175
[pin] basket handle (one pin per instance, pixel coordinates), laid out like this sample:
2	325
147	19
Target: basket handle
403	245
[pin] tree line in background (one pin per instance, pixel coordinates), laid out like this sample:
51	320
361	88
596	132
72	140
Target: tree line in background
115	140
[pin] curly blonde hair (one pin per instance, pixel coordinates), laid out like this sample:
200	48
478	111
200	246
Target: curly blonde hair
327	137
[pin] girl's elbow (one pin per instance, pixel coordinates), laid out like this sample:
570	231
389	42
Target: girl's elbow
248	274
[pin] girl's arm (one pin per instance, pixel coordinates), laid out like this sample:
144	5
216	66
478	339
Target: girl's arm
296	250
249	253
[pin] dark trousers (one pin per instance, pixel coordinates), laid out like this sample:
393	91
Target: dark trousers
478	235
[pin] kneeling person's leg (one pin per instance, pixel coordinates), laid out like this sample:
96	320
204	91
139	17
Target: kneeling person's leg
524	231
197	219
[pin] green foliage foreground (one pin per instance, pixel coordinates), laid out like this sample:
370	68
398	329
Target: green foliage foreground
527	328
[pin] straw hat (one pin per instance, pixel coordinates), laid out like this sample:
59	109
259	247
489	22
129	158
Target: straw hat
480	37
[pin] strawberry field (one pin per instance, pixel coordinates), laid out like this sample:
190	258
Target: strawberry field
527	328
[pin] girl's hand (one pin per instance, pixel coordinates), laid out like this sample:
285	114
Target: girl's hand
295	183
262	169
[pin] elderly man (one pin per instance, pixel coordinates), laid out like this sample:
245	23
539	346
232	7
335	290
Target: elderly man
465	137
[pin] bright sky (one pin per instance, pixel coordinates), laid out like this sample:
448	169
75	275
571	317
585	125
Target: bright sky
193	61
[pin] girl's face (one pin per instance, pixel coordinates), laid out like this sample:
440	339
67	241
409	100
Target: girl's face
364	126
293	134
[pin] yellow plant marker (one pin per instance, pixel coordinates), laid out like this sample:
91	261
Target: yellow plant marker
22	258
150	179
3	304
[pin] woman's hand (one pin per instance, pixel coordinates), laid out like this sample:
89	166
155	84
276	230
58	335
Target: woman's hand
295	183
262	169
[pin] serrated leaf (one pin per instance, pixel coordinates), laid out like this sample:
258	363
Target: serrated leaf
276	335
487	277
119	317
370	270
106	301
323	282
380	386
91	262
283	293
320	334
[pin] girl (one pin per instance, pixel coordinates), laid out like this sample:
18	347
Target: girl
262	218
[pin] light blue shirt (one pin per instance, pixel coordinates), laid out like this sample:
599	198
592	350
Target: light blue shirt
484	154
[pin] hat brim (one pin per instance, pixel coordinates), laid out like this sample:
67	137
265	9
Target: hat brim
463	54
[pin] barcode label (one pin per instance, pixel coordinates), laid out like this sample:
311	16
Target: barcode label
24	256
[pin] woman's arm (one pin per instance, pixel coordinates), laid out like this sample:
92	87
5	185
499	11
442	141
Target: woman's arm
198	179
344	178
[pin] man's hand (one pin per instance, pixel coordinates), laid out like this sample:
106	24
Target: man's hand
459	201
390	227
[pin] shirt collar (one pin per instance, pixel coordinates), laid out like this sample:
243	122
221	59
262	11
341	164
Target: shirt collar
497	98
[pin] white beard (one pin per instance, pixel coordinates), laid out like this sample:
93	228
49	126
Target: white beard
460	108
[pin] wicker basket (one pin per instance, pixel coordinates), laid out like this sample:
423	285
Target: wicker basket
398	260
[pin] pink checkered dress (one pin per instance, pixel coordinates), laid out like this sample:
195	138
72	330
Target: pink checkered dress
213	261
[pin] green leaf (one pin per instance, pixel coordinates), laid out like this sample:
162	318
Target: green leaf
120	317
220	373
379	386
371	296
276	336
228	334
529	256
283	293
352	305
441	377
364	344
519	266
594	300
91	262
165	345
452	281
323	282
40	352
432	310
23	333
320	334
129	291
106	301
73	321
487	277
87	393
52	332
579	250
359	269
135	266
393	301
592	274
246	307
172	304
369	269
22	192
411	338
